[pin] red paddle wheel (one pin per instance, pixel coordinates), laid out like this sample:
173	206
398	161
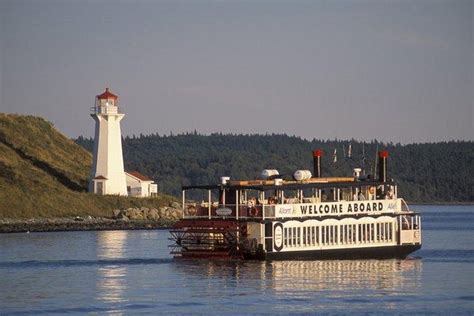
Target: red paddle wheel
208	238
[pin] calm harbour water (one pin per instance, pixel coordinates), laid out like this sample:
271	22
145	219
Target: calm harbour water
131	272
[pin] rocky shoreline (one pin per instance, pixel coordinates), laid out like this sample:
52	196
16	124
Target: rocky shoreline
129	219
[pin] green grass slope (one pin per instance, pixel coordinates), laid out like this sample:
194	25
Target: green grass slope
44	174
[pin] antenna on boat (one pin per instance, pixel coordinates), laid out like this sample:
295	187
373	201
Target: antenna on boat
364	159
375	160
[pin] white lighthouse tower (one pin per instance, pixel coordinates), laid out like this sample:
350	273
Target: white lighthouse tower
107	174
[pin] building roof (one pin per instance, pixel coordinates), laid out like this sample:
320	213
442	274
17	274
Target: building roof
100	178
107	95
138	175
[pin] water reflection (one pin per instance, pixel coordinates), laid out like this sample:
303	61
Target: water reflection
111	244
111	281
288	279
345	274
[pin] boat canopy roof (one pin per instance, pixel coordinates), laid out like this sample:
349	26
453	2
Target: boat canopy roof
286	185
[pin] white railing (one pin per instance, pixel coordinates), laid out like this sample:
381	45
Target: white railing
404	207
106	109
298	210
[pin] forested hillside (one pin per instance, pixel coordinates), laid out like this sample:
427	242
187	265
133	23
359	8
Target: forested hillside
434	172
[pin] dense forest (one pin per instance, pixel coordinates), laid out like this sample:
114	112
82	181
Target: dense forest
431	172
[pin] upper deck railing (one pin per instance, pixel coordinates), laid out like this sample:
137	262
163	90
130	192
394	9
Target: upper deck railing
294	210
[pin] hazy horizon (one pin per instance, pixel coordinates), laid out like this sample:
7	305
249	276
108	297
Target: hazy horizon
395	71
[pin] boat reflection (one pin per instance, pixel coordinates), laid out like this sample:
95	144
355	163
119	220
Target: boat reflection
287	277
345	274
111	281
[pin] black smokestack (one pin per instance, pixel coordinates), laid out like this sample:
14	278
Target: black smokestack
317	163
383	155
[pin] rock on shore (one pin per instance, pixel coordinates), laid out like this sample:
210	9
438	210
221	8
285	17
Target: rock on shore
168	213
131	218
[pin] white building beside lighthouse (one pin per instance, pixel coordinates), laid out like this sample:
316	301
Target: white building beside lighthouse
107	173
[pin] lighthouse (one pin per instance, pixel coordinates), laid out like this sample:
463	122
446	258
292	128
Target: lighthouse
107	173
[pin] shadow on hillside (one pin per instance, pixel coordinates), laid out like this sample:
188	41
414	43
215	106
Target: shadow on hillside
62	178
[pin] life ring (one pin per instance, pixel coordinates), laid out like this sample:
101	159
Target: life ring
252	211
191	210
372	190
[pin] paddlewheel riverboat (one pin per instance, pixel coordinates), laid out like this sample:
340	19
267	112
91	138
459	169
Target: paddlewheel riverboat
308	217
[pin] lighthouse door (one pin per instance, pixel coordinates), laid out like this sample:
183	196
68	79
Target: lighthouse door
99	187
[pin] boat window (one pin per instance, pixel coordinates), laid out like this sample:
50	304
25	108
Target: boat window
299	236
311	235
343	231
308	231
388	233
368	239
323	235
379	232
349	234
352	233
308	236
293	236
359	232
289	236
326	237
305	236
340	234
384	231
316	235
328	233
332	235
372	232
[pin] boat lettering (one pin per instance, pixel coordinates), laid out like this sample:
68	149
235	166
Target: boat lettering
286	210
322	209
337	208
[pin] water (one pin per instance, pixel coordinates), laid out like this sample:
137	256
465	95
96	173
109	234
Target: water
131	272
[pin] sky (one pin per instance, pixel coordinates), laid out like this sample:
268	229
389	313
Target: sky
398	71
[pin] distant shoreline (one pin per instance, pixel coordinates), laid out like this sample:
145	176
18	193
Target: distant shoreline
71	224
441	203
99	224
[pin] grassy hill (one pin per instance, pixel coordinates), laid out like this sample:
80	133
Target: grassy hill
44	174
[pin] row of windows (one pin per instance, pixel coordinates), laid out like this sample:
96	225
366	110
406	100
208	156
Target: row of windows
337	234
